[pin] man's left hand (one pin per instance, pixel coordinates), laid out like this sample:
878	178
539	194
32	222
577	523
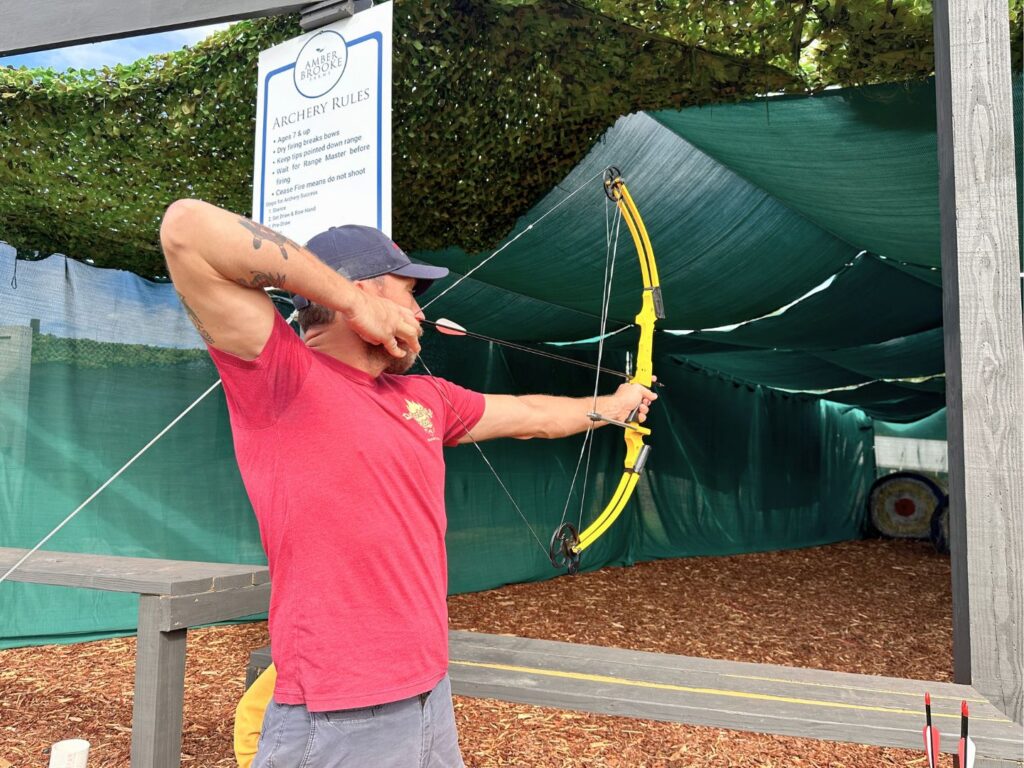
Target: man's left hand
620	405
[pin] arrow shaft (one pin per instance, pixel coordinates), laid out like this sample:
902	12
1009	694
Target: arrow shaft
533	351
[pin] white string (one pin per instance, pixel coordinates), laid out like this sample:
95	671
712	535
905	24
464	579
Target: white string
111	479
610	224
483	456
560	203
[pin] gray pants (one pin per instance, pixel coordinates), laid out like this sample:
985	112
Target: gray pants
412	733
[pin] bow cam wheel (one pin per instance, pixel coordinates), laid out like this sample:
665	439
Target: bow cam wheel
561	551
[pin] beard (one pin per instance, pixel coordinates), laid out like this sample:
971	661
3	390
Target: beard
394	365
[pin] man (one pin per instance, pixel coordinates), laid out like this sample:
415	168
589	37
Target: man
341	458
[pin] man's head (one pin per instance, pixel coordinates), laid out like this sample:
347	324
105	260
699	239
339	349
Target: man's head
362	253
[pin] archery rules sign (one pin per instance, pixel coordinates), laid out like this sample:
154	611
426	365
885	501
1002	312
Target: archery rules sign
323	128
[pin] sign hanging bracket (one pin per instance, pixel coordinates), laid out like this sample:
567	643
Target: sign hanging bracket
327	12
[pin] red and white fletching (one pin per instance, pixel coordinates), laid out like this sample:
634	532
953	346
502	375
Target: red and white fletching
449	327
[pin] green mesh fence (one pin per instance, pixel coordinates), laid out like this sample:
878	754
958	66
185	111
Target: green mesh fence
735	468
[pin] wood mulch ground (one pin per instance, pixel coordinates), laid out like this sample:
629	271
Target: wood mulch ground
873	607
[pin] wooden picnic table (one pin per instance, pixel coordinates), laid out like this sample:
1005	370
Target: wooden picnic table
173	596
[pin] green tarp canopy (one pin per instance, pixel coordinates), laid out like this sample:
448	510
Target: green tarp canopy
797	240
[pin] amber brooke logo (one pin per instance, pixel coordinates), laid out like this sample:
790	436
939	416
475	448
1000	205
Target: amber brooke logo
320	64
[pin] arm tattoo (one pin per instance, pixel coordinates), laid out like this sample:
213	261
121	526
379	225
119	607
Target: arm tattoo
261	233
195	320
262	279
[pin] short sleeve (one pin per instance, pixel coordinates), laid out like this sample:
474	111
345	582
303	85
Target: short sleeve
258	391
464	408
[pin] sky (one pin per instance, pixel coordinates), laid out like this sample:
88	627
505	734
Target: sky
111	52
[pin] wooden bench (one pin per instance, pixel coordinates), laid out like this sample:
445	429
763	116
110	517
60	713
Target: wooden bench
173	596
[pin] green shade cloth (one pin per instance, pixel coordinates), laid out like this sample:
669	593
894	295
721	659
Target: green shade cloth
913	356
916	356
929	428
867	302
726	250
746	462
784	369
733	469
860	163
889	401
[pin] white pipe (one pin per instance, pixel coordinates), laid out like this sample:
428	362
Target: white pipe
70	753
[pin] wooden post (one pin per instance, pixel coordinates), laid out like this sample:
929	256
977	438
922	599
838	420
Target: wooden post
984	346
159	690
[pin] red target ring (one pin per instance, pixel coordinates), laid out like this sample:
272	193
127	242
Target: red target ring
901	505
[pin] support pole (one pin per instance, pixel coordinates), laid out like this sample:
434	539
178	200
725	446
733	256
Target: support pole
984	346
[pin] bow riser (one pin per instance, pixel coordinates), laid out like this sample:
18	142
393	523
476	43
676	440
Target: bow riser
645	319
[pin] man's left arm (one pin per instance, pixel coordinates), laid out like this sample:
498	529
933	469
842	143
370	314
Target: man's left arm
549	416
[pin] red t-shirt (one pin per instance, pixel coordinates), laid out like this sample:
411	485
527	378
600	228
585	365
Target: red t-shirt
346	475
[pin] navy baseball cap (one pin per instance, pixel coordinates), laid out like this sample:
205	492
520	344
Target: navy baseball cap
359	253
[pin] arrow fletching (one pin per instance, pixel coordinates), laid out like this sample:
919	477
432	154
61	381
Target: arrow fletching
965	751
449	327
965	747
931	745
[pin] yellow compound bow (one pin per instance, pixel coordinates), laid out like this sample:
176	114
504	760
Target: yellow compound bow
566	543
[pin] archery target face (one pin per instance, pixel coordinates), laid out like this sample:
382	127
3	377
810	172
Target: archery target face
901	505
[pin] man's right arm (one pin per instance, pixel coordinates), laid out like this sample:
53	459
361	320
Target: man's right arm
220	263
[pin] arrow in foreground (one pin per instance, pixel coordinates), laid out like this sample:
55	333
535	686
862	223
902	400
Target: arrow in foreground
965	749
931	734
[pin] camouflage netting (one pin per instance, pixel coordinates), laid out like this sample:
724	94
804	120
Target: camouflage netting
495	102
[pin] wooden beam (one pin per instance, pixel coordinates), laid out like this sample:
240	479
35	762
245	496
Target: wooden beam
183	611
763	698
984	346
26	27
145	575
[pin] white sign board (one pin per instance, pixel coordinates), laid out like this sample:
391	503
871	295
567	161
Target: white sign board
323	128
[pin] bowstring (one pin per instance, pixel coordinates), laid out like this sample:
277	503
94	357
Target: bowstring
469	433
611	225
529	227
612	229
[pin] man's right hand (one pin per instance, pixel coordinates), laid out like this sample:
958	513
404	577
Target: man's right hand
220	262
381	321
